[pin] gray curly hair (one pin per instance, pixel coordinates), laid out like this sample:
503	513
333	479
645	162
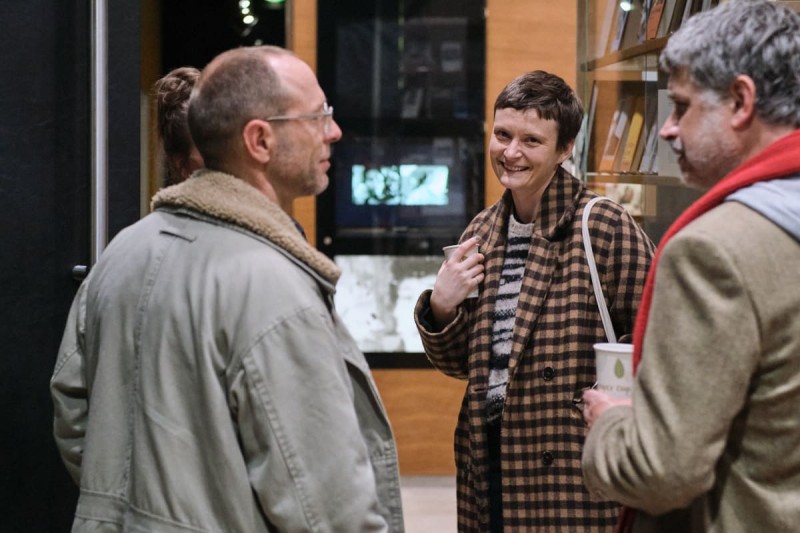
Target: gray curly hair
757	38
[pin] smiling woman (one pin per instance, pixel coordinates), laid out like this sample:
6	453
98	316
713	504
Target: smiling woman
525	154
534	273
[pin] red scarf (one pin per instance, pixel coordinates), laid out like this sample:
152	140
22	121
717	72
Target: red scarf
781	158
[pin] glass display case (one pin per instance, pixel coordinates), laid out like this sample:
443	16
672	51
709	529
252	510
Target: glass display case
406	78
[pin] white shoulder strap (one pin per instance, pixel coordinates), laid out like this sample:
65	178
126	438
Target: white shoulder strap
598	290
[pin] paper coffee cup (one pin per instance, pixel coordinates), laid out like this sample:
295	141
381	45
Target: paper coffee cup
448	252
614	368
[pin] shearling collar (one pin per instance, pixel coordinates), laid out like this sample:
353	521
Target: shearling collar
228	198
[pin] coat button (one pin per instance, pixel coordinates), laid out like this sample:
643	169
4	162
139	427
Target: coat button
548	373
547	458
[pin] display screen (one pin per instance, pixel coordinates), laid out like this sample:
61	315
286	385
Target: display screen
400	185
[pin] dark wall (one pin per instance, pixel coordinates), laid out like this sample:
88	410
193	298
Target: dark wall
194	31
45	170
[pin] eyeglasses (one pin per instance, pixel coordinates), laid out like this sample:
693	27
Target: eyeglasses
326	113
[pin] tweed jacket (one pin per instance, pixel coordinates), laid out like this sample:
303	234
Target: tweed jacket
205	382
713	443
557	322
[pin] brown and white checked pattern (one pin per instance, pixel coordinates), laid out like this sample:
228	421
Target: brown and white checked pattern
557	322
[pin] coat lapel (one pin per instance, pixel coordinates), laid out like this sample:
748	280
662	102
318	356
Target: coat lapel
557	212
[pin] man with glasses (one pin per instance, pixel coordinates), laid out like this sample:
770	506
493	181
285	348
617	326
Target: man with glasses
204	380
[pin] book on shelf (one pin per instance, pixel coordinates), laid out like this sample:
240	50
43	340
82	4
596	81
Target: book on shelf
630	139
666	163
650	126
654	17
677	15
606	22
638	155
619	29
576	163
584	139
692	7
633	22
616	131
590	112
412	102
641	35
648	163
666	18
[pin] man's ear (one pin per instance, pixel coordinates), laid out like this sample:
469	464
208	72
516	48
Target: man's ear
257	137
743	95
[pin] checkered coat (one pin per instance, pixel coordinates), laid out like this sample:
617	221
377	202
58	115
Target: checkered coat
557	321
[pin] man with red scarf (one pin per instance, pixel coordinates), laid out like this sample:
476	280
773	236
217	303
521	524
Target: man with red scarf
711	438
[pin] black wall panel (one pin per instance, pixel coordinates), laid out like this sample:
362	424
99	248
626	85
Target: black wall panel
45	170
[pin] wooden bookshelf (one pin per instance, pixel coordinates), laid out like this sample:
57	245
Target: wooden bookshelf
621	56
622	153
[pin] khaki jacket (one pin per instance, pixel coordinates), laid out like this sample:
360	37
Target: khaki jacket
713	443
205	383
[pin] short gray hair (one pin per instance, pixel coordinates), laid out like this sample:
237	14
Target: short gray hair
236	87
757	38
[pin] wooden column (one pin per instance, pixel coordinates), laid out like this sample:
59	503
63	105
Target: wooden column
524	35
423	409
301	38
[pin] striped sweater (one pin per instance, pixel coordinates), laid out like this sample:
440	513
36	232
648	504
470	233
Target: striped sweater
519	242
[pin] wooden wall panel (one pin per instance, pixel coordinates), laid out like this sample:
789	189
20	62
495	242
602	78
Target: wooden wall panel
423	408
301	37
150	66
523	35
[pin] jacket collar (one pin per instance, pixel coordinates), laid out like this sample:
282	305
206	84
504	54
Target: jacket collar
230	199
558	205
778	160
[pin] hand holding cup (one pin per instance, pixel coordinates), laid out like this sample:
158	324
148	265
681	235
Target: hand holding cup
614	363
458	279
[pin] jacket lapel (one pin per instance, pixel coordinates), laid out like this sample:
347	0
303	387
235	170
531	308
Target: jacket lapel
556	214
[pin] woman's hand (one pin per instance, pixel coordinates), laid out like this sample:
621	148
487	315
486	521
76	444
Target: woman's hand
596	402
457	277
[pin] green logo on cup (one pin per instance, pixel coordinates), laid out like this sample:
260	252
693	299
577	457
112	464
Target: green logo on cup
619	369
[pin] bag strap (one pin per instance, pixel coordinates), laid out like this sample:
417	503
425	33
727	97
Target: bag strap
598	289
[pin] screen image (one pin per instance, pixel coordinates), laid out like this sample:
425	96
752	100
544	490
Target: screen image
400	185
376	295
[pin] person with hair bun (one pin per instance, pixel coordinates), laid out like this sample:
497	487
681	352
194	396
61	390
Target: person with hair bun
172	94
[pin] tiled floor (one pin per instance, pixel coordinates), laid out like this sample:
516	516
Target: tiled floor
429	503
